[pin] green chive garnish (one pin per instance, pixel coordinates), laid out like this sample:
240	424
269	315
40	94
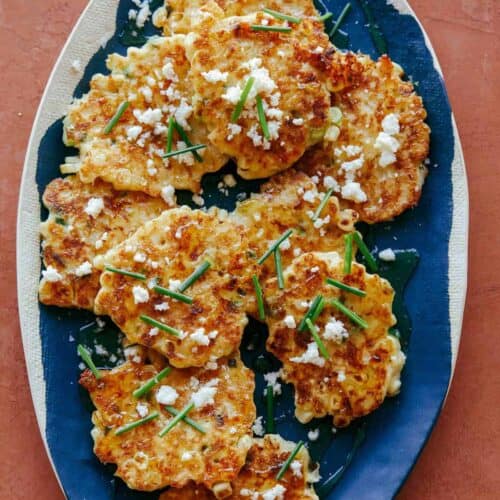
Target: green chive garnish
197	274
325	17
283	17
119	112
262	117
189	149
346	288
323	203
348	253
275	245
260	297
174	295
289	460
350	314
147	386
312	308
370	260
340	19
192	423
160	326
170	134
279	29
185	138
137	276
317	311
180	416
270	427
317	339
137	423
243	98
85	355
279	268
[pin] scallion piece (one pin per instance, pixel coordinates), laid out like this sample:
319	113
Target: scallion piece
185	138
279	268
189	149
348	253
187	420
312	308
262	117
283	17
137	423
370	259
170	134
119	112
289	460
180	416
123	272
346	288
197	274
275	245
350	314
243	99
340	19
85	355
260	298
325	17
317	339
174	295
278	29
147	386
323	203
270	427
161	326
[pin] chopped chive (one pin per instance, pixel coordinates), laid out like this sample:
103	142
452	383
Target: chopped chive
189	421
325	17
185	138
85	355
335	115
283	17
289	460
348	253
275	245
123	272
119	112
170	134
148	385
350	314
260	297
60	221
189	149
317	339
347	288
243	98
340	19
160	326
174	295
137	423
279	29
262	117
279	268
270	427
317	311
312	308
370	260
197	274
180	416
323	203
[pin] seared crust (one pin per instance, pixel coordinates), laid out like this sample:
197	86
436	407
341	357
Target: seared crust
172	247
146	461
372	91
364	365
154	79
71	236
258	476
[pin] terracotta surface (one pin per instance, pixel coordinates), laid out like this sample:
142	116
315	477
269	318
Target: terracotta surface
462	457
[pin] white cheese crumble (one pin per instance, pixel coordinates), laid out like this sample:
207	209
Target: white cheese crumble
199	337
232	94
168	195
341	376
387	255
390	124
168	71
84	269
352	191
174	284
272	380
296	468
330	183
275	493
205	395
142	409
186	456
290	321
94	207
258	427
214	76
163	306
140	257
332	133
133	132
310	196
149	116
335	330
298	121
313	435
166	395
234	129
141	295
311	356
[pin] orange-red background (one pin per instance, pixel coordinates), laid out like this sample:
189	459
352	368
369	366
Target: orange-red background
462	458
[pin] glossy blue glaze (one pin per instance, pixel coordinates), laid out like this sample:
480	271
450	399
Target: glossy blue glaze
396	433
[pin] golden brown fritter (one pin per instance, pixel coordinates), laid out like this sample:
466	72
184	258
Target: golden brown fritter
146	461
168	250
364	365
288	76
154	80
258	477
377	159
85	220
